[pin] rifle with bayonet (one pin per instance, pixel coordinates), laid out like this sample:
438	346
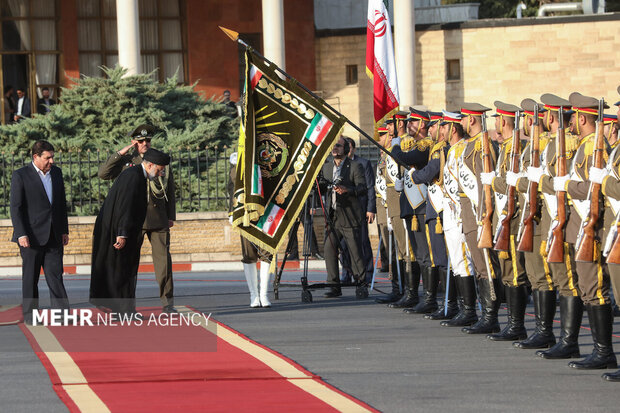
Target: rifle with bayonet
585	240
503	236
556	242
526	227
486	235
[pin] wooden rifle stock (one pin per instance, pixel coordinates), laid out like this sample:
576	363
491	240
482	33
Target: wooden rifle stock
556	249
585	249
486	236
526	243
614	254
503	240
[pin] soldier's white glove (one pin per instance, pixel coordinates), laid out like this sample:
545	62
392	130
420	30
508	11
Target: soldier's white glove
559	183
395	141
399	185
389	222
230	219
487	178
597	175
512	178
534	173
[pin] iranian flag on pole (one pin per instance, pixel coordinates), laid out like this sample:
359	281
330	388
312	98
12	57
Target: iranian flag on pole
380	65
270	220
317	129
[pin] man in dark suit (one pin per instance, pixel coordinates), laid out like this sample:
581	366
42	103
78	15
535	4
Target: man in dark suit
40	226
346	215
23	106
368	201
44	103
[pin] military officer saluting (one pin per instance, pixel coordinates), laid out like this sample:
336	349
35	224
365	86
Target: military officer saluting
161	210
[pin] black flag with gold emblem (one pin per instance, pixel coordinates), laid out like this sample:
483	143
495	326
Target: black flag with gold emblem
284	139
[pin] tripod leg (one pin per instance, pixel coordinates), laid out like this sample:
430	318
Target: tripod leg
289	247
374	273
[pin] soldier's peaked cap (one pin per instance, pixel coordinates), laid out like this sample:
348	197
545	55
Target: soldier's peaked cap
475	109
529	106
156	157
142	132
450	117
553	102
505	109
585	104
400	115
419	114
435	117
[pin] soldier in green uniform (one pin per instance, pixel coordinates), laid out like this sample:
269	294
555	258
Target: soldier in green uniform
512	261
563	274
593	277
161	210
473	210
537	268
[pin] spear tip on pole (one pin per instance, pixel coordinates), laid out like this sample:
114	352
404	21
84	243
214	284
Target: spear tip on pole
234	36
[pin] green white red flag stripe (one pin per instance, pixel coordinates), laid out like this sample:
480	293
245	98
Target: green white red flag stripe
257	181
318	129
255	76
270	221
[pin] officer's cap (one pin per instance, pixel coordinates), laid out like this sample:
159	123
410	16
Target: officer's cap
505	109
142	132
473	109
450	117
529	107
554	102
585	104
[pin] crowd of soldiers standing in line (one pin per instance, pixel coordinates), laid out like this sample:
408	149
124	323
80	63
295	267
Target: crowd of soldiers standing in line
491	221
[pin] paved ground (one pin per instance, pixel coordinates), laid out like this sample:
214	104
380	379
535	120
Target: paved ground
393	361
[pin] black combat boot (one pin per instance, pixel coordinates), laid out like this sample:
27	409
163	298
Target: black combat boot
571	313
544	308
395	295
428	304
612	376
516	298
466	289
452	304
601	324
488	322
412	280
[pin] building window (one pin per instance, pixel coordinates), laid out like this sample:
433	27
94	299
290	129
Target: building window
162	40
29	53
453	69
351	74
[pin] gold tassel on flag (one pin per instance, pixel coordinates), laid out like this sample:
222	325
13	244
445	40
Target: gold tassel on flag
414	223
438	226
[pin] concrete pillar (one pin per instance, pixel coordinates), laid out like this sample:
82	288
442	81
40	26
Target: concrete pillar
128	29
404	51
273	32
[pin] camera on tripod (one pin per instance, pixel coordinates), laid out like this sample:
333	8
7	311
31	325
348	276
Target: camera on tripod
324	182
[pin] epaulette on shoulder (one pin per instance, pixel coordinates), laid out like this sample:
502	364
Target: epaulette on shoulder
478	144
437	148
424	144
571	141
588	147
507	148
543	140
458	148
407	144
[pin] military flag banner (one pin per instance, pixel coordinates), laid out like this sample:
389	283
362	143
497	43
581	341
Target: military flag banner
380	64
284	138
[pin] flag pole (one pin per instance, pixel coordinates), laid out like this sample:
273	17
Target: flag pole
234	36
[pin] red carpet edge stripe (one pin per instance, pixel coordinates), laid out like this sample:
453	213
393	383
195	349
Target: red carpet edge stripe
80	394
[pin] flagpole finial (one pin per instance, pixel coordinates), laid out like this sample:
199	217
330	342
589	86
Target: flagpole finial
234	36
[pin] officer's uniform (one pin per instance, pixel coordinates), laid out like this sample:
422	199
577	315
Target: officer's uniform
537	268
160	210
512	261
471	164
563	274
593	277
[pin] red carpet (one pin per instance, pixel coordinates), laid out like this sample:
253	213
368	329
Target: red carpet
209	367
11	314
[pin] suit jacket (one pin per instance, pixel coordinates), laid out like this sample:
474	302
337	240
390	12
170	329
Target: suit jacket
26	109
31	212
42	107
158	211
370	198
349	211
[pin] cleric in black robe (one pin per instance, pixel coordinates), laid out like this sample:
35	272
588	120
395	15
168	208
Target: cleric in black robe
116	251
